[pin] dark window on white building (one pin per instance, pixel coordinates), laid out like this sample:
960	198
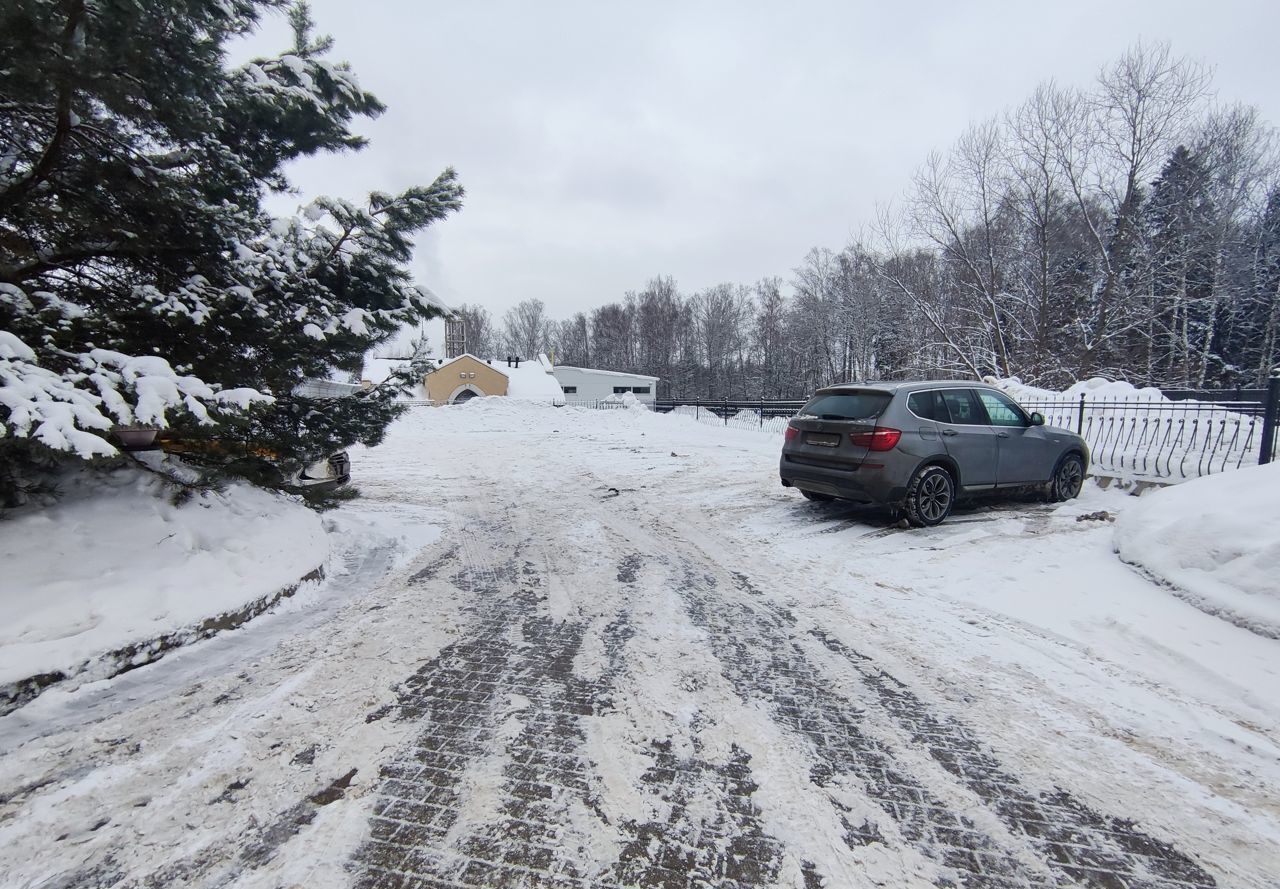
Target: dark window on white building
618	390
640	390
570	390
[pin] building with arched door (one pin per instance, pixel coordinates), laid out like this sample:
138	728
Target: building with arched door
457	380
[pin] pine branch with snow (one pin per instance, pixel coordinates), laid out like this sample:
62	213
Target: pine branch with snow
141	281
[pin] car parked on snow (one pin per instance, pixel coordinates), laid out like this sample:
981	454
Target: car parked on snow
918	447
262	465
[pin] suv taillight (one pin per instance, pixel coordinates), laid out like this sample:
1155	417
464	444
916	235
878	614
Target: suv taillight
883	439
791	434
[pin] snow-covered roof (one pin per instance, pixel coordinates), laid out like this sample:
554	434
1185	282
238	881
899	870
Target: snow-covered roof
533	379
445	362
316	388
376	370
605	373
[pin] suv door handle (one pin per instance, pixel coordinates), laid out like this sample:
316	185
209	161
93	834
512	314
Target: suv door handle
949	432
1002	435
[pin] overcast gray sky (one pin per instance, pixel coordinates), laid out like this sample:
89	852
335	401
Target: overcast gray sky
603	144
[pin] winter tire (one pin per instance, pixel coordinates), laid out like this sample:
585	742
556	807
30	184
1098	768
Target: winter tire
816	497
1067	480
930	497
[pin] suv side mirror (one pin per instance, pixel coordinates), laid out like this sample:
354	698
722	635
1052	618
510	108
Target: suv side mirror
1037	419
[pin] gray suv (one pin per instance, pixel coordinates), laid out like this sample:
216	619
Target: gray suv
917	447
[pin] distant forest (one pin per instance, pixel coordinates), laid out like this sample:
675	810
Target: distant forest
1131	230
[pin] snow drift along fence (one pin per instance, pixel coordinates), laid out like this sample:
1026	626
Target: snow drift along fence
1185	436
1173	440
769	416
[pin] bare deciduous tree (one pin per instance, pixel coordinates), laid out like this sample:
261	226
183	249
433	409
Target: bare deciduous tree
1127	229
526	330
479	328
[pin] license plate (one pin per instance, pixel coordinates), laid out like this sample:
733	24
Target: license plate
822	439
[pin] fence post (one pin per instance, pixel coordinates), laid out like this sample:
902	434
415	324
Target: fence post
761	411
1080	417
726	411
1270	417
697	408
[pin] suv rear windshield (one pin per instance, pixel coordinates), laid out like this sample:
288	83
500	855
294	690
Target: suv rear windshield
847	405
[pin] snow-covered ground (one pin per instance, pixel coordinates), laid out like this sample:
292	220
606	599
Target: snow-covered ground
614	651
114	564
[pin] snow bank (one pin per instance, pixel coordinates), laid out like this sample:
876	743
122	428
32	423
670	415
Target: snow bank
1092	388
1214	540
625	401
114	564
743	419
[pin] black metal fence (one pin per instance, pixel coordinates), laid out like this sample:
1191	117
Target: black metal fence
1164	439
1175	435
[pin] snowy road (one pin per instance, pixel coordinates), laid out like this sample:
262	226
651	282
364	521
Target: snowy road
615	653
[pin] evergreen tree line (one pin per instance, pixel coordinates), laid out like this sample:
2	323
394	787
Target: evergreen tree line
1131	230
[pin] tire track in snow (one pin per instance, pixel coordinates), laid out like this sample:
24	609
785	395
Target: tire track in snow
1086	846
757	644
710	833
721	843
497	789
491	788
762	661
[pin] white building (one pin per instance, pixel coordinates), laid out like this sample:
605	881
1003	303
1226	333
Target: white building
586	384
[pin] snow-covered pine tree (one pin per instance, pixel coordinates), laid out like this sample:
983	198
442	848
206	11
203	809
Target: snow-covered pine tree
141	280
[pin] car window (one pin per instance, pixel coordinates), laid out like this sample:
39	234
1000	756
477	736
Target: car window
928	406
1001	409
847	405
963	408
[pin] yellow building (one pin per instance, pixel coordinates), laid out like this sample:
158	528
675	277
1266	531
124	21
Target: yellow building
463	378
455	380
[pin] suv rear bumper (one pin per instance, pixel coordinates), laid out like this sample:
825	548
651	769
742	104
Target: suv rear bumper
861	484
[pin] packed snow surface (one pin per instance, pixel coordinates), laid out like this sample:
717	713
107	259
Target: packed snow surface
114	563
616	652
1216	540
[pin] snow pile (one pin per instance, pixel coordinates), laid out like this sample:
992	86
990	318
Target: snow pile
1098	388
500	414
625	400
743	419
532	380
1215	541
114	564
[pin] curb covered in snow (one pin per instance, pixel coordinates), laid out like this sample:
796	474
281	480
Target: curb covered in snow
15	694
